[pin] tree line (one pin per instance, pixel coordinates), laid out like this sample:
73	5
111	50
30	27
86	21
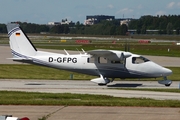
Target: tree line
162	24
103	28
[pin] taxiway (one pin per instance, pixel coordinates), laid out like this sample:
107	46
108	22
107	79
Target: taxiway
87	87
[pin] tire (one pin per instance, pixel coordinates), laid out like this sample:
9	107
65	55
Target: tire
102	84
167	85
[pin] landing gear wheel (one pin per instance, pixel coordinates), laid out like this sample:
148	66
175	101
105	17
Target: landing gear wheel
102	84
167	85
165	82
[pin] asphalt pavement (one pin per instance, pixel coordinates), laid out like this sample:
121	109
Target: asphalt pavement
86	87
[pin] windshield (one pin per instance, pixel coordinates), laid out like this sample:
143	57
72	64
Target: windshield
139	60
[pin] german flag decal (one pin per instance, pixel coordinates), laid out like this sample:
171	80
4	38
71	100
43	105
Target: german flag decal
17	34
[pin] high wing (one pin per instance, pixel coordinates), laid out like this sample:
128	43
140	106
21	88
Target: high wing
110	54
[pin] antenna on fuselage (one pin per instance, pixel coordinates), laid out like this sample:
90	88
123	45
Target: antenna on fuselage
83	51
78	51
66	52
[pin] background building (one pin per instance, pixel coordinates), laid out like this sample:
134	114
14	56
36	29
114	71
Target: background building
95	19
63	22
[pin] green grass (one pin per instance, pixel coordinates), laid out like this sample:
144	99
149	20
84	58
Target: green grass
16	71
142	49
53	42
67	99
151	89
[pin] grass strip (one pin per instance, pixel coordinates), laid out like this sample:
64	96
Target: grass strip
67	99
137	48
150	89
24	71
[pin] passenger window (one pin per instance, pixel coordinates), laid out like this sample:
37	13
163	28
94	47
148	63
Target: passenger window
102	60
134	60
91	60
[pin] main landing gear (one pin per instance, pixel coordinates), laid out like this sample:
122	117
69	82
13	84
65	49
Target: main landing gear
165	82
102	80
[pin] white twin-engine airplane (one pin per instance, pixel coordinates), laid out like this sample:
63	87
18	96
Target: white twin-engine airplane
107	64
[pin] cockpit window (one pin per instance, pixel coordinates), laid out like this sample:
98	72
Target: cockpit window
139	60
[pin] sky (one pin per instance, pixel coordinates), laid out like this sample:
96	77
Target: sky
44	11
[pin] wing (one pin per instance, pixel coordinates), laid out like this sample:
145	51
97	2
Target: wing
110	54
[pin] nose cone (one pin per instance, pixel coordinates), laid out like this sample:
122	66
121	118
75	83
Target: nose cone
166	72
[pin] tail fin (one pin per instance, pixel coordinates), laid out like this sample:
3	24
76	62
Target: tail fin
20	44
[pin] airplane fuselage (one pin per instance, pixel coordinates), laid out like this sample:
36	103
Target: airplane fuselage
103	63
86	64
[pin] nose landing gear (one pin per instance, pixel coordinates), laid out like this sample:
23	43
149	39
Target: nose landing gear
165	82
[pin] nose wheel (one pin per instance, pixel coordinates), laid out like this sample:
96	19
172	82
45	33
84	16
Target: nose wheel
165	82
167	85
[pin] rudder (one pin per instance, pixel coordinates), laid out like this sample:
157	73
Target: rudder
20	44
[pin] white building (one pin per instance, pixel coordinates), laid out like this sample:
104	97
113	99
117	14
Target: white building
126	22
54	23
64	22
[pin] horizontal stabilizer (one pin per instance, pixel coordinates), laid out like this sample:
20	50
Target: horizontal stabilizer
19	59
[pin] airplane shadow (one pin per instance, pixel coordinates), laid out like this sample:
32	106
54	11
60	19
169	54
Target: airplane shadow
124	85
